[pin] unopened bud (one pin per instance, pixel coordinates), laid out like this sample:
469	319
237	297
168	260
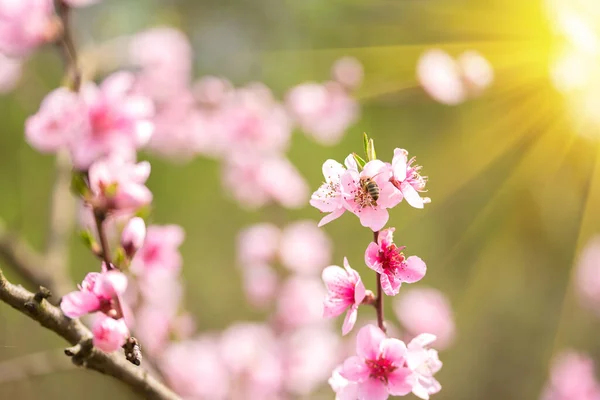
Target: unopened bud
133	236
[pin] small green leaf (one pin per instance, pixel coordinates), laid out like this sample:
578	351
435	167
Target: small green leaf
78	184
371	155
111	190
365	142
88	239
120	260
144	212
361	163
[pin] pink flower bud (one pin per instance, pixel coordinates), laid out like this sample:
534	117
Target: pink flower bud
109	334
133	236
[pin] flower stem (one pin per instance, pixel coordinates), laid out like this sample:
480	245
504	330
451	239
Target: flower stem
67	45
379	298
104	249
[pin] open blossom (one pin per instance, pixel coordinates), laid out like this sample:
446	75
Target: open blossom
424	363
407	179
572	377
343	388
25	25
379	368
97	292
258	244
133	236
358	199
345	291
304	248
118	185
300	302
160	250
389	261
348	72
109	334
426	310
328	197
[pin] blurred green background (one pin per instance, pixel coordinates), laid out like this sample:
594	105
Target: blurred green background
514	188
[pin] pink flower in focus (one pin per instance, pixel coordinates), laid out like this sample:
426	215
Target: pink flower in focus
133	236
119	121
407	179
10	73
260	283
304	248
109	334
323	111
258	244
426	310
388	260
60	119
97	292
572	377
424	363
343	388
328	197
587	278
25	25
357	199
194	369
378	369
300	302
160	250
118	185
345	291
348	72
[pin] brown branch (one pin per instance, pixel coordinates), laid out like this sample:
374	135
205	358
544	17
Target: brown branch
82	352
379	298
99	218
67	45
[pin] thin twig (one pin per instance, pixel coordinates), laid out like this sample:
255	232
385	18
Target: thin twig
67	45
83	354
379	298
100	217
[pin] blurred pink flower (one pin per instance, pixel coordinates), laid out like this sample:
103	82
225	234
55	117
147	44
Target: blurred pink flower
165	57
310	355
193	368
343	388
160	250
25	25
406	177
109	334
260	283
378	369
328	197
304	248
10	73
388	260
97	292
345	291
117	185
477	72
300	302
152	329
587	278
357	199
348	72
258	243
426	310
572	377
424	363
212	91
61	117
133	236
119	121
323	111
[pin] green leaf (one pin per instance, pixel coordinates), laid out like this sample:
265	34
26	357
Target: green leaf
87	238
120	260
366	142
144	212
78	184
361	163
371	155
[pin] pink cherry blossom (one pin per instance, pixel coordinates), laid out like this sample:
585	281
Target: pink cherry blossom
379	368
347	71
345	292
477	72
194	369
406	177
97	292
118	185
357	199
212	91
440	76
343	388
25	25
300	302
328	197
10	73
304	248
152	329
424	363
426	310
61	117
323	111
119	121
572	377
133	236
160	250
109	334
389	261
258	244
260	283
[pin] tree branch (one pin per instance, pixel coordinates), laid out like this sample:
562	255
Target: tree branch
82	352
379	298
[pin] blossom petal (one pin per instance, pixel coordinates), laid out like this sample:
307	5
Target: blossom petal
399	164
332	171
374	218
400	382
368	342
354	369
330	217
77	304
390	286
393	350
372	389
359	292
350	320
372	257
411	195
413	270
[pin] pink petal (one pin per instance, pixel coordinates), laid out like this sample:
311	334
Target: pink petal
330	217
350	320
372	389
389	196
350	162
113	283
354	369
335	279
374	218
359	292
393	350
390	286
424	339
368	342
77	304
399	165
373	168
414	270
332	170
117	85
372	257
400	382
411	195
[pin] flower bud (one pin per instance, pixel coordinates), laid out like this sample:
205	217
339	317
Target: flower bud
109	334
133	236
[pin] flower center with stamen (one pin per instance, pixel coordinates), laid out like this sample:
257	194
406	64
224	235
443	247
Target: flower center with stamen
391	257
362	197
380	368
